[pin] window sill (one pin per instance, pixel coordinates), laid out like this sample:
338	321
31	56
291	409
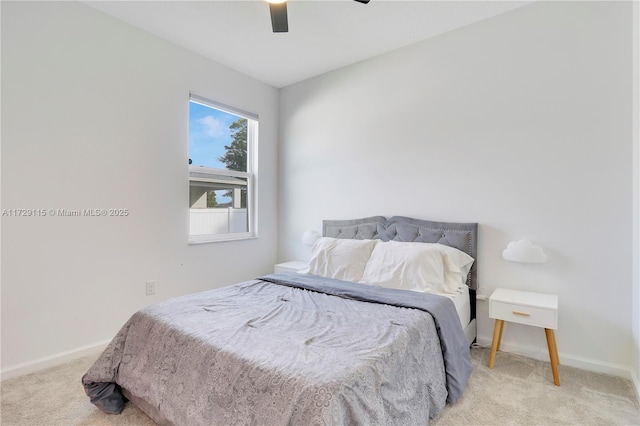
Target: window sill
204	239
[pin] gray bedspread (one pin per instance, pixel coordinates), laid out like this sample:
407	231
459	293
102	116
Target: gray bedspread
287	349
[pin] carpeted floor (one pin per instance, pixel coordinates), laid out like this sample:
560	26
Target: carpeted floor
518	391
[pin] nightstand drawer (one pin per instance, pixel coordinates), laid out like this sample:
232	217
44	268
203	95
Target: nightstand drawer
511	312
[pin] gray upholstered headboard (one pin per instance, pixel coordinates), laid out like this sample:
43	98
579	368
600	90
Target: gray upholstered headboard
463	236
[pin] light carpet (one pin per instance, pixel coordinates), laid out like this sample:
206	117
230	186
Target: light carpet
517	391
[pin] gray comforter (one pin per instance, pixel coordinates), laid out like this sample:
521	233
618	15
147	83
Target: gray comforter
287	349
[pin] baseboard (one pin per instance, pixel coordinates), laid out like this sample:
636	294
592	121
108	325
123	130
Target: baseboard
589	364
52	360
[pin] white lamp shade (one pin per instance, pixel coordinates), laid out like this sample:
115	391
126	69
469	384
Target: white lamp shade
309	237
524	251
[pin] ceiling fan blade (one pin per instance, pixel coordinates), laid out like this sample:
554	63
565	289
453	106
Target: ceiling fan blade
363	1
279	21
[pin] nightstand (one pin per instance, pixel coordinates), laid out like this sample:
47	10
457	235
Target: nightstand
292	266
535	309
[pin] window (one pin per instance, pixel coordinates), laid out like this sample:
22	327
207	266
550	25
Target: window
222	142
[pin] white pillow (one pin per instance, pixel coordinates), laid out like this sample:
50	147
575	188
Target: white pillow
339	258
457	265
424	267
407	266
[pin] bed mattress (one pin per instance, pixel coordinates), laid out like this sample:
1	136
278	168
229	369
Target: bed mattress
462	304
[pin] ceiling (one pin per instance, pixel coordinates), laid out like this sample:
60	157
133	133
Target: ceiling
323	35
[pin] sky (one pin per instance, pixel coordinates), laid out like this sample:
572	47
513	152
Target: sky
208	134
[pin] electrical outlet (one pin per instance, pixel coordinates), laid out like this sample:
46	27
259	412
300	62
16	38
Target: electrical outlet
151	288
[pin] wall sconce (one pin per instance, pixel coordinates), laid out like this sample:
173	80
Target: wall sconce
309	237
524	251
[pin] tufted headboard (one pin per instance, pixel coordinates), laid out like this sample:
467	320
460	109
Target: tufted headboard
463	236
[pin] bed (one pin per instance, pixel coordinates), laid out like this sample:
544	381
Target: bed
312	348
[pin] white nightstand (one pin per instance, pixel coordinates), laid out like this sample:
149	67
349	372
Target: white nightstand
536	309
292	266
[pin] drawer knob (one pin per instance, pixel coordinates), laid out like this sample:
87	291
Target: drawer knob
522	314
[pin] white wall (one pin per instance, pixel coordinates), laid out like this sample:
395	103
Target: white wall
95	115
522	123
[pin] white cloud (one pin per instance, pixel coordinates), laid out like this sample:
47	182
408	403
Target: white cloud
524	251
213	127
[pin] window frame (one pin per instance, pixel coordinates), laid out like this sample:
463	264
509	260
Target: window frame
250	175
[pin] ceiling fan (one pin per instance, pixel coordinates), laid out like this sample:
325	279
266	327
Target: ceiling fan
279	21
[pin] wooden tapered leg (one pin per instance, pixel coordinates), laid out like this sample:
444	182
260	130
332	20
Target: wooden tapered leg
495	344
555	346
500	335
553	354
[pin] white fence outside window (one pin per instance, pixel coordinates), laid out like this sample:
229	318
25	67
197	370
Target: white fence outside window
217	221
